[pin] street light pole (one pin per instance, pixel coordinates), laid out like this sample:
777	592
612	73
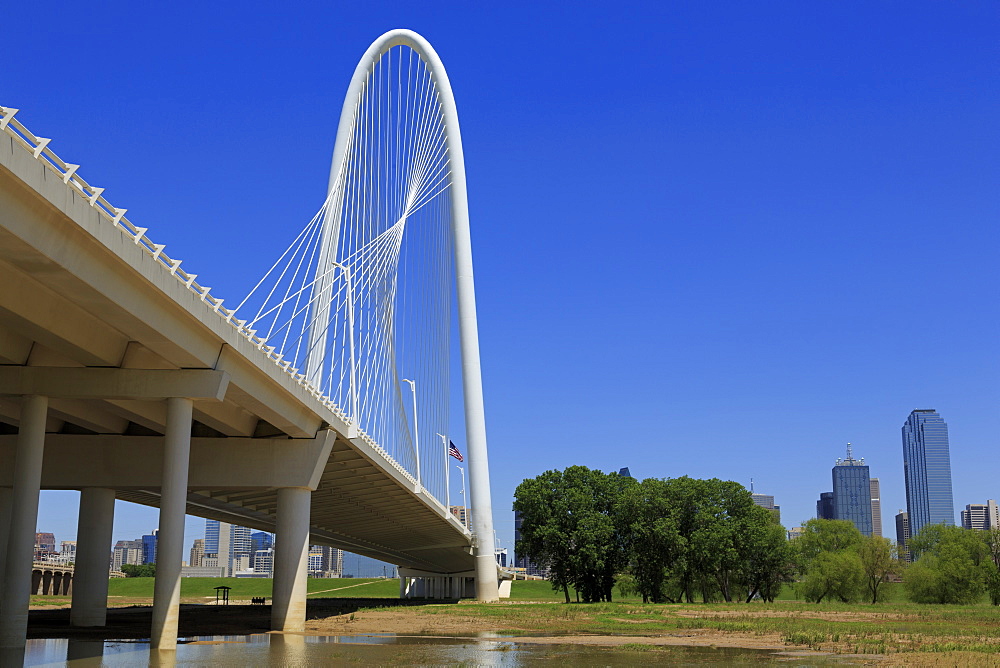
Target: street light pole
416	428
447	481
350	339
465	510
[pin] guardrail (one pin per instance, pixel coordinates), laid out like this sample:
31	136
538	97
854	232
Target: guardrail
39	148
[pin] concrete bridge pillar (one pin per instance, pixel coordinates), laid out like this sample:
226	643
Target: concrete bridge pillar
90	593
291	560
170	537
6	501
24	515
55	583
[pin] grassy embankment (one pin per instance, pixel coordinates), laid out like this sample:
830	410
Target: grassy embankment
130	591
245	588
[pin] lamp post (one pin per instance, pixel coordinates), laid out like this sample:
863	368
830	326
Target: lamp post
350	339
465	510
447	481
416	428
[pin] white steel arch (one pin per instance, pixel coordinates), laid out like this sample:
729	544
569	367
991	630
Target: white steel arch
369	323
475	420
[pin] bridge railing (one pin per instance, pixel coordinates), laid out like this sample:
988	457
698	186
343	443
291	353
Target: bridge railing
39	148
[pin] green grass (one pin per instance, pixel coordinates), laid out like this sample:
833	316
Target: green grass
857	628
244	588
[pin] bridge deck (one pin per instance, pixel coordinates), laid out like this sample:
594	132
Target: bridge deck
77	291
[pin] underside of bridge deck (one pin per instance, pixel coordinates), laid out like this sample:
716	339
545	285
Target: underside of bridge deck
106	358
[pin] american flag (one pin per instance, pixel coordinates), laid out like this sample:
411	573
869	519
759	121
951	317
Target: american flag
453	451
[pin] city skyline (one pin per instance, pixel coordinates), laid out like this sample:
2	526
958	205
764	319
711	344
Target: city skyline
711	237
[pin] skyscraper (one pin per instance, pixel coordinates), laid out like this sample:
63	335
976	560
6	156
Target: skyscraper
852	491
149	547
876	495
197	552
927	470
903	535
824	507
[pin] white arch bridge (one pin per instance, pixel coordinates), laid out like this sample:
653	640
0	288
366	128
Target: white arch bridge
317	408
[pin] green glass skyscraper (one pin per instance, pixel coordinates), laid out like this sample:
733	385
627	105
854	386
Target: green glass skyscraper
927	470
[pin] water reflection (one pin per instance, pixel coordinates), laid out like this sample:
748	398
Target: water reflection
277	649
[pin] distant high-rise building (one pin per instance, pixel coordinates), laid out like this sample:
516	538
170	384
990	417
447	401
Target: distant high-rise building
231	544
263	561
333	562
624	472
927	470
463	514
241	542
126	552
982	516
316	561
67	550
197	553
261	540
824	507
903	535
767	501
522	561
795	532
149	548
876	507
45	545
852	492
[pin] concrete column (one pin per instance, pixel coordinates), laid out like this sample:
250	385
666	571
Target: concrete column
402	587
6	503
291	559
90	595
170	537
55	588
36	582
24	516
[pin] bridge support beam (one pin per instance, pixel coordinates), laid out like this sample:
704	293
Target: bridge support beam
291	560
90	579
24	516
170	537
6	503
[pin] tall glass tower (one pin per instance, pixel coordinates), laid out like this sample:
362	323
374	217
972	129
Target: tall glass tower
852	498
927	470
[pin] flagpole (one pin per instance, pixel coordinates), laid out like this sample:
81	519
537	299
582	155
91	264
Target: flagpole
447	477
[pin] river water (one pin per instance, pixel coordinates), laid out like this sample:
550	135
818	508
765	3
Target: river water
382	650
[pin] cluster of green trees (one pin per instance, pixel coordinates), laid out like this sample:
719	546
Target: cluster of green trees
139	570
678	539
954	565
666	540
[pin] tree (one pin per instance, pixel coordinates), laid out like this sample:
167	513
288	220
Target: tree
953	565
827	536
992	540
139	570
833	574
654	539
828	555
573	524
770	557
877	561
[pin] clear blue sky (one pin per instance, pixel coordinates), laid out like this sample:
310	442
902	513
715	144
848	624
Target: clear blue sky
711	239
